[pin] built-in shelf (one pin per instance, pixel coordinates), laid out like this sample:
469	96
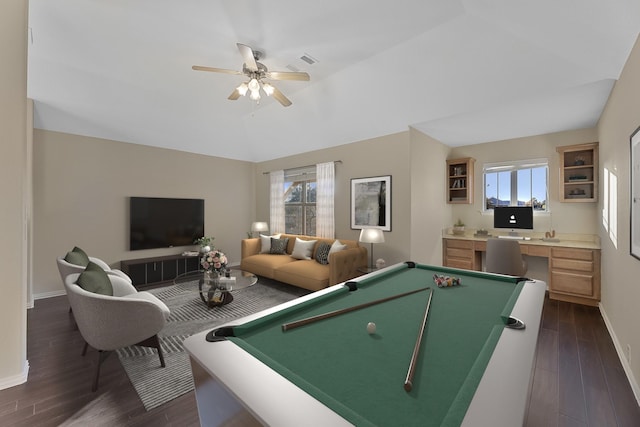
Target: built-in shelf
460	180
578	173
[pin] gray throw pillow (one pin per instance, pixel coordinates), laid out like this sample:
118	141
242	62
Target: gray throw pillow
322	253
279	246
77	257
95	279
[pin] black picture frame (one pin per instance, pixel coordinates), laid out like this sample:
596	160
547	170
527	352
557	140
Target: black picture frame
371	203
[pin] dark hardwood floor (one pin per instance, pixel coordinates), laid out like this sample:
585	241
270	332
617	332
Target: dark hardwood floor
578	379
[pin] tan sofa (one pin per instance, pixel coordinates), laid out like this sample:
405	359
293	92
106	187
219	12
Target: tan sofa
305	273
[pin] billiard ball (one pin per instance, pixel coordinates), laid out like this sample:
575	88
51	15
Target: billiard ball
371	328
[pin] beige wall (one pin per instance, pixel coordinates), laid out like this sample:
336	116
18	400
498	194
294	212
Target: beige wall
81	190
386	155
578	218
620	271
13	166
564	217
429	212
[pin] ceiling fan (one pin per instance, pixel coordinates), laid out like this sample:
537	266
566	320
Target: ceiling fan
257	74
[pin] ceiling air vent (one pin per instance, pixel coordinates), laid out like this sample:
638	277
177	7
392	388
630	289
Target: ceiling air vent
308	59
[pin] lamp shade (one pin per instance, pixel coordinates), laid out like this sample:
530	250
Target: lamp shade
371	235
259	226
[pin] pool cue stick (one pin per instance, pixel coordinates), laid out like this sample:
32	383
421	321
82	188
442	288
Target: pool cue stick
408	382
312	319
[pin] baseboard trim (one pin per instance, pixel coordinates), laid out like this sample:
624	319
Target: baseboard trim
49	294
15	380
620	351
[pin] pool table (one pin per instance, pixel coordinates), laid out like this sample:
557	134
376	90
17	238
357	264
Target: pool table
471	367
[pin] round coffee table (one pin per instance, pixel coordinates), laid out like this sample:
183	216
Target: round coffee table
216	291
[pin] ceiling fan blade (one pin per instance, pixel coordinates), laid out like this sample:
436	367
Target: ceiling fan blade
286	75
215	70
234	95
279	96
247	55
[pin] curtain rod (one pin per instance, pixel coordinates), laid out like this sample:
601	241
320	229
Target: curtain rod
302	167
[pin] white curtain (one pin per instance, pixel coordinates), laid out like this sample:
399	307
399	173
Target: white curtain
276	205
325	185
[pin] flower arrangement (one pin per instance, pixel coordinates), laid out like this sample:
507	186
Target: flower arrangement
214	260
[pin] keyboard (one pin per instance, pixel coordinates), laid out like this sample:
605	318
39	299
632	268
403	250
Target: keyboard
512	237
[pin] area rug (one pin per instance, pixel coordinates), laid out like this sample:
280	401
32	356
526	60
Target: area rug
189	315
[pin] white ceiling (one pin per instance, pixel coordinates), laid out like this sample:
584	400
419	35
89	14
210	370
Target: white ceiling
461	71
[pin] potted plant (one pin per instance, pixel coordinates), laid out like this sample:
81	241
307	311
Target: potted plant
204	243
458	227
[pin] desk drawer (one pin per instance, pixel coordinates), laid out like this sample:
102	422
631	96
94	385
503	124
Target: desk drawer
571	264
459	253
480	246
539	251
570	283
571	253
460	263
459	244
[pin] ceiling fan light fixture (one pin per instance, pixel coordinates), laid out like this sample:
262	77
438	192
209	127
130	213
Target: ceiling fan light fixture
268	89
254	86
255	95
243	88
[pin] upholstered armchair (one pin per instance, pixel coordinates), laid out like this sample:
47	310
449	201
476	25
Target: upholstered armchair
108	322
66	268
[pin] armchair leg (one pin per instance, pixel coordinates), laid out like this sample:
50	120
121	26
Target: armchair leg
154	342
102	355
84	349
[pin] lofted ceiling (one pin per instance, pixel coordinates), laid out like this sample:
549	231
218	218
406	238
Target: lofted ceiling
461	71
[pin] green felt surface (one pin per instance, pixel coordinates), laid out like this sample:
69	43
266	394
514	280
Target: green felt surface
361	376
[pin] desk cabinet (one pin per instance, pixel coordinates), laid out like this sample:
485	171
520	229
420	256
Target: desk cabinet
461	254
574	273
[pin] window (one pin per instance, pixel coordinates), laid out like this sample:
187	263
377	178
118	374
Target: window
300	201
522	183
610	205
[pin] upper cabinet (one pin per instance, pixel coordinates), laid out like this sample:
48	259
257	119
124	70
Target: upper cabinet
460	180
578	173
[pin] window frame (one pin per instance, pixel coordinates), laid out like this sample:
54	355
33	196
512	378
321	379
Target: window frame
302	176
513	167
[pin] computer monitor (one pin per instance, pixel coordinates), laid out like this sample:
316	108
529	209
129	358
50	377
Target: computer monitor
513	217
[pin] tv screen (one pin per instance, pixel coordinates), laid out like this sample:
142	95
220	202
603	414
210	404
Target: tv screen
162	222
513	217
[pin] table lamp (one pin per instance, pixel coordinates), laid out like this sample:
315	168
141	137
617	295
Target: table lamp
259	226
371	235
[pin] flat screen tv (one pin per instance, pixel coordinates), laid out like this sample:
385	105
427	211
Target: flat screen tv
163	222
513	217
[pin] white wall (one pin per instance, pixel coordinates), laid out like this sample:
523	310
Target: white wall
620	271
13	166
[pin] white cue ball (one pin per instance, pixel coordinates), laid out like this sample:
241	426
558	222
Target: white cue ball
371	328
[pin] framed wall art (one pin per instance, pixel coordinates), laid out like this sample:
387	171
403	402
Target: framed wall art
371	203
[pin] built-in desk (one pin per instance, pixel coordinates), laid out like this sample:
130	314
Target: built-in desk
574	265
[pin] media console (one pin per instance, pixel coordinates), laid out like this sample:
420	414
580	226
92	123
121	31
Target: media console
574	262
157	270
